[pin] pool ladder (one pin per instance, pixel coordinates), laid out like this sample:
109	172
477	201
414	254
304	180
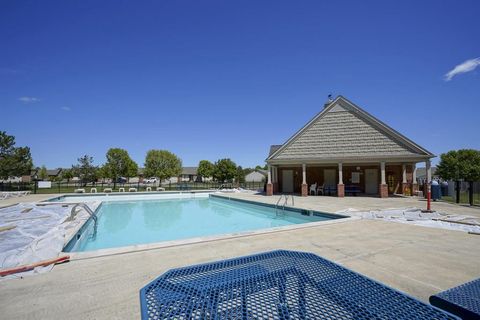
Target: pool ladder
285	202
73	213
92	214
218	189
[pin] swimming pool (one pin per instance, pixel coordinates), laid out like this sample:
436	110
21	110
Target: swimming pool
132	222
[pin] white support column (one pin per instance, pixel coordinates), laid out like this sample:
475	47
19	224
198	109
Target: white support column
404	173
304	173
340	173
414	173
428	171
269	175
382	172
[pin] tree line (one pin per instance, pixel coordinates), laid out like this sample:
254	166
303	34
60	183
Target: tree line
460	165
162	164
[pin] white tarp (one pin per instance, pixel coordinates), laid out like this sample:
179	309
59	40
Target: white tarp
30	233
417	217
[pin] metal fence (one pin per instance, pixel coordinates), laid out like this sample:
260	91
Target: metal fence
449	193
70	187
464	194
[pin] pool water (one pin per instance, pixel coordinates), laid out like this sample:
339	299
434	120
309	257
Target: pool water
126	223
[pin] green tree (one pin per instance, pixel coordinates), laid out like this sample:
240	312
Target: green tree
119	164
240	175
42	173
225	170
205	169
67	174
102	172
265	167
162	164
459	165
85	170
14	161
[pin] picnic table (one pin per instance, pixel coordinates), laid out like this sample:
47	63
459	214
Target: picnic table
463	301
276	285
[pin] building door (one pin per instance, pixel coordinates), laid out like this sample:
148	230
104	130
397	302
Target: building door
329	177
371	181
287	181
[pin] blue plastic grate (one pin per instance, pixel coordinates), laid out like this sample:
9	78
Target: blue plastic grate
276	285
463	300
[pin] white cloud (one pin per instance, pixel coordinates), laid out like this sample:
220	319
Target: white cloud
463	67
66	108
28	99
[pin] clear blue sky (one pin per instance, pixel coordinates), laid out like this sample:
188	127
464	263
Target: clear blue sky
214	79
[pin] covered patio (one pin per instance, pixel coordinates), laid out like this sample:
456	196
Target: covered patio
345	179
343	151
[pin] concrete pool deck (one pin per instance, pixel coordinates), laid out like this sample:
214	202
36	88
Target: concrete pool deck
416	260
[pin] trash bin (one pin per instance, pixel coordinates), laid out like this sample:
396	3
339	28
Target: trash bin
444	188
436	192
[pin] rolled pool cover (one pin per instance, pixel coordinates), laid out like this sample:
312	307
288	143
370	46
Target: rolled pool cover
6	272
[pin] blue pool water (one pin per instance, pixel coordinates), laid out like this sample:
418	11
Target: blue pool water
126	223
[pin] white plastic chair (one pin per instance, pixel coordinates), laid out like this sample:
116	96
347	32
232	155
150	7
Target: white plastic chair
320	189
313	188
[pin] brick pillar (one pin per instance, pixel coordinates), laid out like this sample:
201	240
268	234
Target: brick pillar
414	188
383	190
406	190
304	189
275	187
341	190
269	189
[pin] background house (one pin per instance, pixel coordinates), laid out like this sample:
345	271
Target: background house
422	174
256	176
52	174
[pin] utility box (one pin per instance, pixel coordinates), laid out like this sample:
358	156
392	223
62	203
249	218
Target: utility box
436	192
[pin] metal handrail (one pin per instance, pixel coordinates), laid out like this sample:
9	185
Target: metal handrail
285	202
281	196
73	213
221	186
90	212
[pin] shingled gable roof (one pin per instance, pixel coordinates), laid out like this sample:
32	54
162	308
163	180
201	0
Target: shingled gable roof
344	131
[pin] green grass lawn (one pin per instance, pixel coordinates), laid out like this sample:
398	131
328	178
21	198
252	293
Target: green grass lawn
463	198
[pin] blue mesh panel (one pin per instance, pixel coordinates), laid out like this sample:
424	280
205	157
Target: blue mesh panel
463	300
276	285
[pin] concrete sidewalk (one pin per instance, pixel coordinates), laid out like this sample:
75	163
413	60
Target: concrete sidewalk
334	204
416	260
419	261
